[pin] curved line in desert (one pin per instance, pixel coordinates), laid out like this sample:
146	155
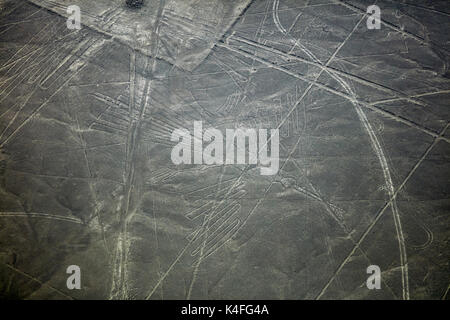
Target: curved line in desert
378	151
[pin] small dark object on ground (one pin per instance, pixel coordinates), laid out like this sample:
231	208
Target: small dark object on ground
135	3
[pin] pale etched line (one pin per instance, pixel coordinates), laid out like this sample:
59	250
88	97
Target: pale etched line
196	269
393	27
28	55
333	210
351	238
112	17
83	142
44	29
387	176
205	229
264	195
5	30
37	280
444	297
93	193
105	124
276	18
163	127
211	186
9	109
226	233
185	23
99	84
219	214
162	175
157	243
120	274
106	14
119	111
55	5
333	70
40	215
425	94
297	17
200	211
259	30
380	214
260	200
293	8
44	65
108	35
65	177
22	21
117	118
279	126
223	216
163	277
25	19
94	47
72	57
228	222
111	103
338	93
16	114
283	120
381	157
383	162
408	4
11	7
17	75
430	237
224	67
362	117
